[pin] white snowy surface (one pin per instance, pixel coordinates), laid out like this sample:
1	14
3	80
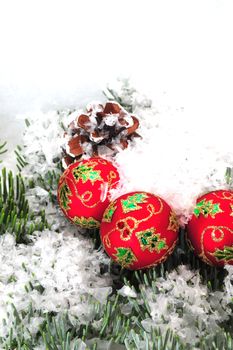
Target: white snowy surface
182	303
179	157
65	266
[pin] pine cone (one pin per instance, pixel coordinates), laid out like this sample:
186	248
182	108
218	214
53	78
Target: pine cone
102	130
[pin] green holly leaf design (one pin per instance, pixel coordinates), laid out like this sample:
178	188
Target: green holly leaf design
207	208
224	254
64	193
125	257
86	172
161	245
108	214
131	202
86	222
151	240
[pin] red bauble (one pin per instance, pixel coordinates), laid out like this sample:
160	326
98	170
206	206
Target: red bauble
139	230
83	190
210	230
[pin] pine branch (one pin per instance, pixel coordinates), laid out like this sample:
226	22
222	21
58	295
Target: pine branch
20	158
229	176
15	215
127	96
3	149
27	122
112	95
49	182
58	332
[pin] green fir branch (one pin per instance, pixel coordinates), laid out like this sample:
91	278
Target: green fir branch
27	122
229	176
112	95
16	217
20	158
49	183
3	149
114	327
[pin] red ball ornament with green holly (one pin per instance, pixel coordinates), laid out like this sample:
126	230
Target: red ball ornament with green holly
139	230
210	230
83	190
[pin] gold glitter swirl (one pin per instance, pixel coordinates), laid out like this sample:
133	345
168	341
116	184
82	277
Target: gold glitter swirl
123	227
173	222
160	208
102	161
214	237
111	176
64	175
84	197
224	195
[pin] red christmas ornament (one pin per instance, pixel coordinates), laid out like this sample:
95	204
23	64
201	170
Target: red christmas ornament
139	230
210	230
83	190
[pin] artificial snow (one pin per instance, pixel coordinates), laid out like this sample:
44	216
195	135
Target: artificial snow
56	273
178	158
126	291
228	283
183	304
59	271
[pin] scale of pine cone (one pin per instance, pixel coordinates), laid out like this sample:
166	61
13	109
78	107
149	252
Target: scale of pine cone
103	129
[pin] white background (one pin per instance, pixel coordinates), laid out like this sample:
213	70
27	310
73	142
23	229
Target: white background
60	53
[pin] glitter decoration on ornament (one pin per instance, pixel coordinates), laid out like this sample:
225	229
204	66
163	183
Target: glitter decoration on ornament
84	190
139	230
210	230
